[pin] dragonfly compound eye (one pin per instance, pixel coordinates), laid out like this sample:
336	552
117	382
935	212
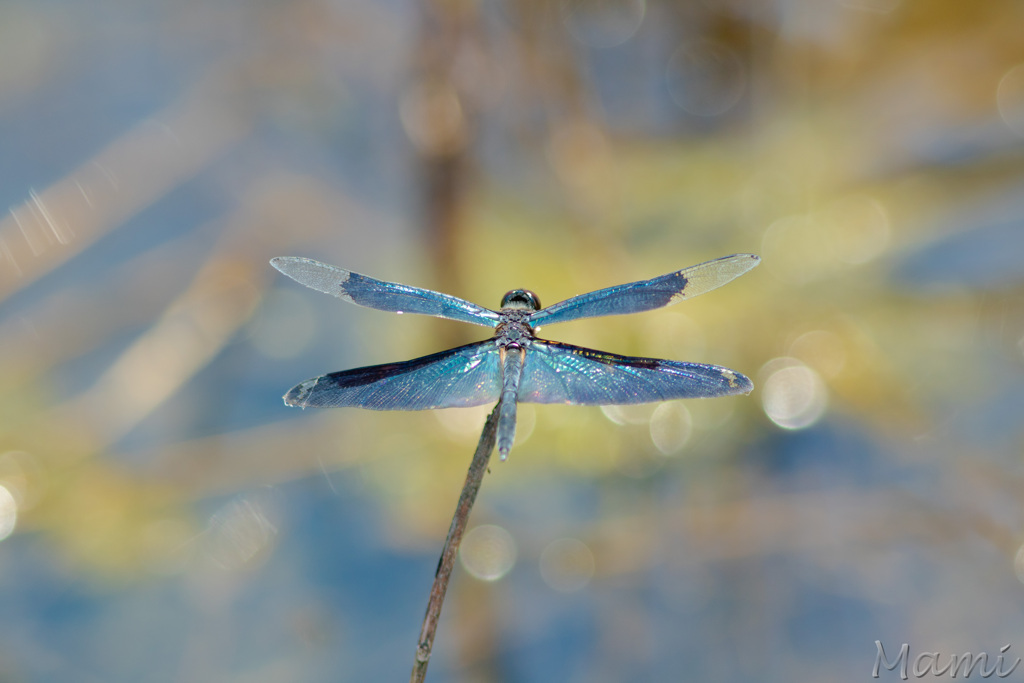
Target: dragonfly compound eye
521	299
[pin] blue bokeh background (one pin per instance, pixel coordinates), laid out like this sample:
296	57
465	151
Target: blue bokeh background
163	517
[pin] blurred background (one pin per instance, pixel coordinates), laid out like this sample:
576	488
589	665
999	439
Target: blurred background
165	518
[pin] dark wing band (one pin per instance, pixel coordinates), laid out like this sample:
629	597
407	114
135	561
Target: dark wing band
384	296
647	295
562	373
464	376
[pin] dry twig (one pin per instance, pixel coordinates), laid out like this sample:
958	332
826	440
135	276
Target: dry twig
474	477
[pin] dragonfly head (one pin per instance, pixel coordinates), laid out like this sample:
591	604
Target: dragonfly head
521	299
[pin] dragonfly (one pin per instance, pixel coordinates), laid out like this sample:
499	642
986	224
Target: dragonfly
514	365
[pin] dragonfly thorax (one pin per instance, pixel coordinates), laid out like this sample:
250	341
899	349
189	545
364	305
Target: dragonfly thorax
513	330
521	299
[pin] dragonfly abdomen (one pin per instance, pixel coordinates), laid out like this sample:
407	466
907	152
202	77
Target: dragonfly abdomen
511	373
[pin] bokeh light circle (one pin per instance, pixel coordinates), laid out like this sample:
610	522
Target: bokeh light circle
23	476
671	427
1010	99
823	350
639	414
8	513
793	395
432	116
602	23
488	552
242	533
464	423
567	565
705	78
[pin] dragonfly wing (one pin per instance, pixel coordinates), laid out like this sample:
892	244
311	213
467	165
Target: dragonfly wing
562	373
647	295
384	296
464	376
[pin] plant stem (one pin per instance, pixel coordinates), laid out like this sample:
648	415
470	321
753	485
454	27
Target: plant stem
474	477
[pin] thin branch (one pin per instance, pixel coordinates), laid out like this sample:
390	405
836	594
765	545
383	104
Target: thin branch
474	478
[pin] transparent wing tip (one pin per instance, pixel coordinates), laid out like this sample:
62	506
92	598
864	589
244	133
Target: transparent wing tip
282	263
298	395
748	261
738	382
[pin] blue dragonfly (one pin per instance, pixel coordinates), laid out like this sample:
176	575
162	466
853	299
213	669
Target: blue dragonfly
514	364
